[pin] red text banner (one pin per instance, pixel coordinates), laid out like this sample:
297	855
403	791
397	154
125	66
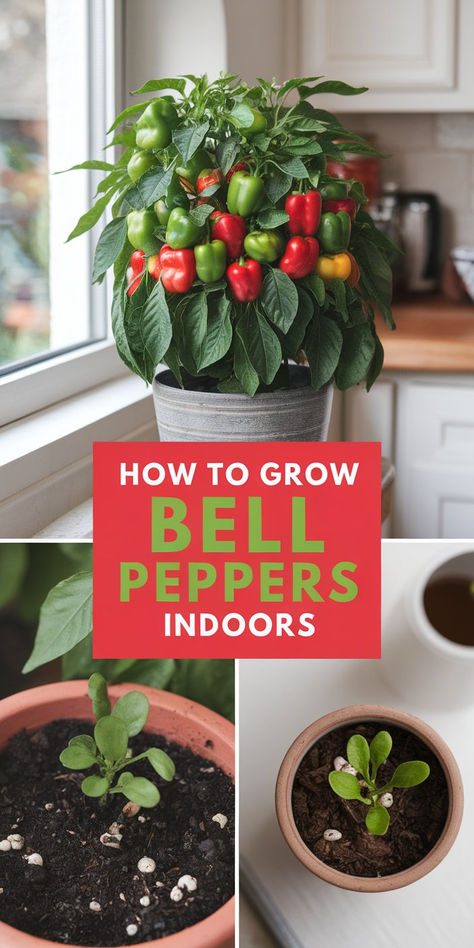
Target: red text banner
237	550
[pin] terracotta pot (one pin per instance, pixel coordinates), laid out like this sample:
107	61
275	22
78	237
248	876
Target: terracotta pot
180	720
385	716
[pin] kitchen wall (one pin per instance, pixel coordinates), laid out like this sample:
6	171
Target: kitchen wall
432	153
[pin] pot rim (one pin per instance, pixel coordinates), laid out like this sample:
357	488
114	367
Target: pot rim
203	934
331	722
426	633
163	389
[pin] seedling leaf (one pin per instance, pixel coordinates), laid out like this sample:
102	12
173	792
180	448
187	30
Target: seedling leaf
358	754
160	762
380	748
141	791
410	774
95	786
77	757
345	785
111	737
97	689
133	709
377	820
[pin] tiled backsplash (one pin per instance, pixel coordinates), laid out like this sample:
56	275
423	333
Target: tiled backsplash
432	153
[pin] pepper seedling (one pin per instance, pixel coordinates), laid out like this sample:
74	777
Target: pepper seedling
366	760
108	749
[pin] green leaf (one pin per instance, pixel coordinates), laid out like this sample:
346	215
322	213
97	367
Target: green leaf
188	140
132	709
377	820
317	287
338	288
155	327
338	88
376	364
218	336
65	619
243	367
200	214
227	152
277	184
194	321
242	116
78	756
272	217
90	217
358	346
118	325
322	345
108	247
358	754
84	740
89	166
126	114
160	762
295	83
152	186
157	85
259	339
279	298
303	147
13	567
292	341
345	785
97	689
95	786
111	737
410	774
141	791
380	748
293	167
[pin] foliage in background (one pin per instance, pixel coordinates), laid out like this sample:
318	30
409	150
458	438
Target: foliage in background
226	344
35	573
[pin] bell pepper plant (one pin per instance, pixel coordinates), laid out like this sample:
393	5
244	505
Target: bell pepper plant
222	208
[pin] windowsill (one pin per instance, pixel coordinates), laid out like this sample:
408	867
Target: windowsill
46	458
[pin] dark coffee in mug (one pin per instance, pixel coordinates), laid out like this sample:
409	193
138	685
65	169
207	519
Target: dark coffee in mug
449	606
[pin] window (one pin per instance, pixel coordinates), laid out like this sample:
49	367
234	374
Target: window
58	67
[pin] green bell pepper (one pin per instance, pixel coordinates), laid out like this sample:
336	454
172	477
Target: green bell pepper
155	125
264	245
190	171
140	162
211	260
181	231
245	193
334	232
140	229
334	190
175	197
259	124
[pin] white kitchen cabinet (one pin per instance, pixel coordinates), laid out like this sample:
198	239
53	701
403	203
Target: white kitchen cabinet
426	425
414	55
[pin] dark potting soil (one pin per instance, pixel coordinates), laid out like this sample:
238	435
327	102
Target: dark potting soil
179	835
449	605
417	816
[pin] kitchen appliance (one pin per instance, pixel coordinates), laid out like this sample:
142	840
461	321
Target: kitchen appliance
420	231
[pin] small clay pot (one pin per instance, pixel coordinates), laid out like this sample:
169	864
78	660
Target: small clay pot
386	716
178	719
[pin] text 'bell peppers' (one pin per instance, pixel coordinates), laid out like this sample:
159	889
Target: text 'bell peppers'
155	125
337	267
245	193
334	232
141	226
140	162
264	245
208	177
231	229
181	231
245	278
341	204
178	269
240	166
192	169
211	260
135	271
300	257
305	212
334	190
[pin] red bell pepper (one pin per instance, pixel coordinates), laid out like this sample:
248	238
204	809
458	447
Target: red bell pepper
135	271
300	257
245	278
341	204
208	177
231	229
240	166
178	269
305	213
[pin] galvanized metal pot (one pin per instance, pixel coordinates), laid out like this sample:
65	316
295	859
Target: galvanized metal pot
294	414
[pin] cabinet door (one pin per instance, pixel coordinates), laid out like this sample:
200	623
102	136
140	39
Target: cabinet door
412	54
434	487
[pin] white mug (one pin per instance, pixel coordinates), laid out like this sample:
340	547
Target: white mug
419	662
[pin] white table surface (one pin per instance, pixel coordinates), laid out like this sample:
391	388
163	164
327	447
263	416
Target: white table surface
278	699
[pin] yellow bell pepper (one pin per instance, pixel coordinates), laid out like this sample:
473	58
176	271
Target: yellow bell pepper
333	267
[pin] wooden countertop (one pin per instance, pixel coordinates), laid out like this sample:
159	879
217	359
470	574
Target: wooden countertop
433	335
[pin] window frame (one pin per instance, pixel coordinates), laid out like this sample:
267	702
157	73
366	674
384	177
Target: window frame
52	377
